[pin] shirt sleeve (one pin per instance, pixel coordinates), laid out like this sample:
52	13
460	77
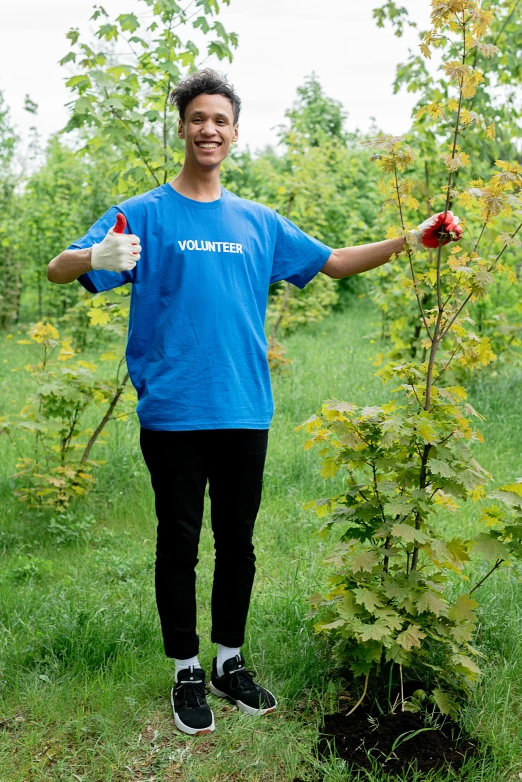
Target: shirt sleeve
102	280
298	257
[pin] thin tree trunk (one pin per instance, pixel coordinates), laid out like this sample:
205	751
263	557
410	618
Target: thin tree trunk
105	419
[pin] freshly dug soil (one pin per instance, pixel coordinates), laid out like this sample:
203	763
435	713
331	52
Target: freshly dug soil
362	735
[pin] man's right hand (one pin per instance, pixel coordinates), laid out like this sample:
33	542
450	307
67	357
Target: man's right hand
117	252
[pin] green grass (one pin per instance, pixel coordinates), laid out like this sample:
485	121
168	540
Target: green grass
84	683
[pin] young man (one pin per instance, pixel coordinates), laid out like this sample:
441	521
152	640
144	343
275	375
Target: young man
200	261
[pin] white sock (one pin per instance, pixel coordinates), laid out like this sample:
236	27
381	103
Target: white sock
224	653
182	665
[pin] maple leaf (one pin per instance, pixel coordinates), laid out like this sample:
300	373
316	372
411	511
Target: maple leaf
441	468
329	468
392	619
514	487
397	655
427	432
99	317
455	70
340	407
374	632
509	241
365	561
367	598
456	161
487	49
398	507
508	497
481	20
321	626
462	633
458	550
463	610
429	601
489	547
444	702
409	533
411	637
349	608
469	667
468	117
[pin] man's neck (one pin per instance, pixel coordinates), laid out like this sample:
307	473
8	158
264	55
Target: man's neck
198	184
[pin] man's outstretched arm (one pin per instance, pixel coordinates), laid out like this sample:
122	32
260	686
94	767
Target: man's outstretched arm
347	261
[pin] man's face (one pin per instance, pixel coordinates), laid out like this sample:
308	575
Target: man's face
208	129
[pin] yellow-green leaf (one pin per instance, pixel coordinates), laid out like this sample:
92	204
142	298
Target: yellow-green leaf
411	637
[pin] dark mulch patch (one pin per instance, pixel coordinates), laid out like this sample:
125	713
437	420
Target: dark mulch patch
362	734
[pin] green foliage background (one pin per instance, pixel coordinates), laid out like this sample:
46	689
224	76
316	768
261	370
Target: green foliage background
67	421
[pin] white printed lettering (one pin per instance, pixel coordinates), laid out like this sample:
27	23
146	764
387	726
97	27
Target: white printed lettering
207	246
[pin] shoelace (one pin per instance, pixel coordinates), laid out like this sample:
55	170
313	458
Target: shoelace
191	693
242	679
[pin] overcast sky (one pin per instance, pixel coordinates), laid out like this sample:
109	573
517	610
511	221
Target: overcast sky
280	42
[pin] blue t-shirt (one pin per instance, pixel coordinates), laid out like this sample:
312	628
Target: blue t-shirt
196	348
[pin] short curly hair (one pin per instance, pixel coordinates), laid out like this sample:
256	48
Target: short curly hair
205	82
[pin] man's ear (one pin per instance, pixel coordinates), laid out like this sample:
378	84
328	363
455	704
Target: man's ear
181	129
236	133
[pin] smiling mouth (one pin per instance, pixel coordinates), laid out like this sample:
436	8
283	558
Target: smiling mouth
210	145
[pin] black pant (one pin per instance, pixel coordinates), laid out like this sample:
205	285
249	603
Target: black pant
180	463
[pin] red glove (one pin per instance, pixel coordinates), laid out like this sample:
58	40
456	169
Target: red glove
121	224
443	226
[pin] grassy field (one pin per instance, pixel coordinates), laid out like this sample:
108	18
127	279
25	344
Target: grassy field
84	683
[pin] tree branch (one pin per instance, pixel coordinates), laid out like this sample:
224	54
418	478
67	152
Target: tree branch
104	420
488	574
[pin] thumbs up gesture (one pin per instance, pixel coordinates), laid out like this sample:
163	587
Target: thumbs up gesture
118	251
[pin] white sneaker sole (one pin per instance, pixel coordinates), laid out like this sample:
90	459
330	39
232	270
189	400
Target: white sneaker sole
186	728
243	706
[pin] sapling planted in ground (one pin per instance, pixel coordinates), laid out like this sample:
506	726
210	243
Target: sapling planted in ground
392	598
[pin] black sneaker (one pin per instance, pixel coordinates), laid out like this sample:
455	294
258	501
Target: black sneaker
238	685
192	713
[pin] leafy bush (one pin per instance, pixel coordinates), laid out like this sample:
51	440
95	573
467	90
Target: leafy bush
66	528
52	442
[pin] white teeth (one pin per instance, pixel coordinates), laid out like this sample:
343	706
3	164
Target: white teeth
208	146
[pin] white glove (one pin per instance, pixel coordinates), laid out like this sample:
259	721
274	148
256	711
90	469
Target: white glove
117	252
